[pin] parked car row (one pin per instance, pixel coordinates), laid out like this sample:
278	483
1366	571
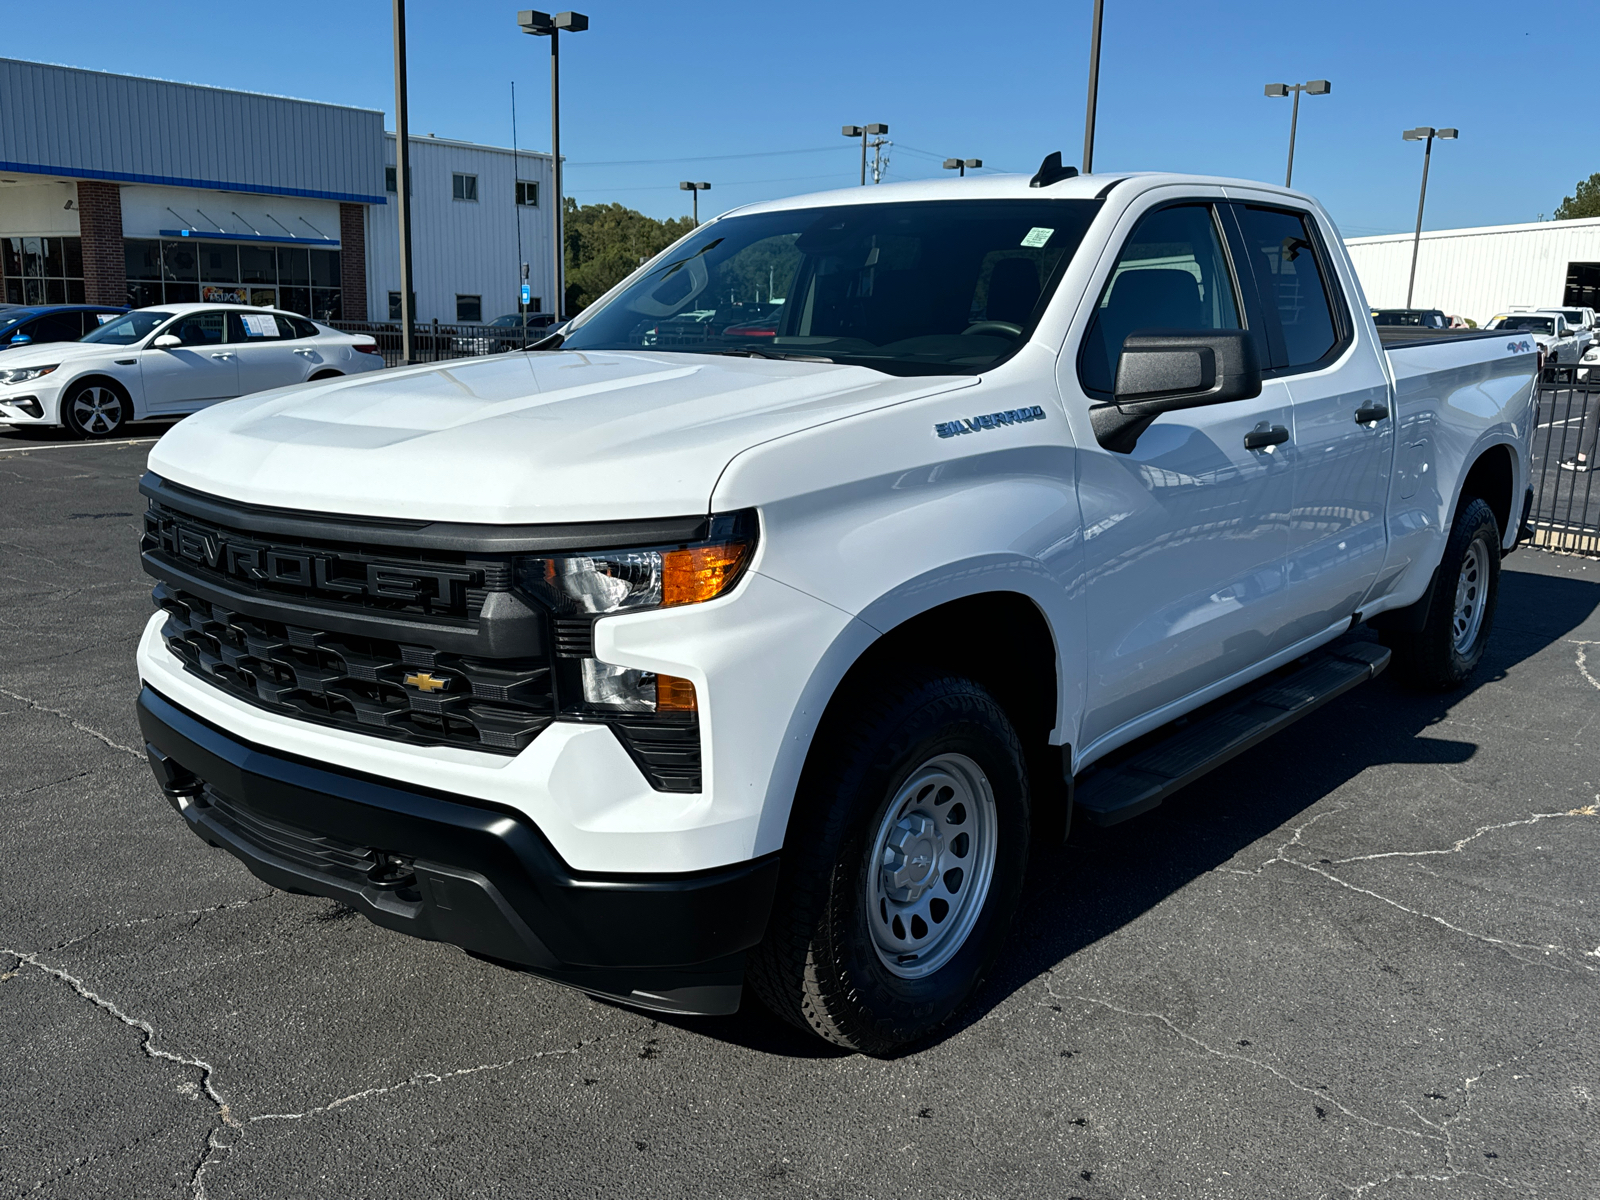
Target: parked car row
166	361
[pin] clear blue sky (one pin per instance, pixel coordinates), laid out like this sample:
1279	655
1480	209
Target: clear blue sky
1181	89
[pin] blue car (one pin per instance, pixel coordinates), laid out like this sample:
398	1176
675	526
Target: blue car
29	325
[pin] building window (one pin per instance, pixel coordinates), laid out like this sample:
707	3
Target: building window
469	309
394	306
528	193
42	270
389	178
464	187
298	279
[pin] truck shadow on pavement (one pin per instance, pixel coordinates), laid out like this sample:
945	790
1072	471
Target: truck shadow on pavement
1103	879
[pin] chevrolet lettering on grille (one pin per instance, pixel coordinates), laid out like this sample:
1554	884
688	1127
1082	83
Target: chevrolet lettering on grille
305	569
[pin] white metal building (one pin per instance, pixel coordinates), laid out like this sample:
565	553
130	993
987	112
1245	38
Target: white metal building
467	201
1477	273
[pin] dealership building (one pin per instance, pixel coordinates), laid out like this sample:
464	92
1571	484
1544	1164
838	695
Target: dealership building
116	189
1477	273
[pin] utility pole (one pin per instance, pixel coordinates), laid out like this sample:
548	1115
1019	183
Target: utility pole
402	179
862	131
1094	89
1423	133
880	160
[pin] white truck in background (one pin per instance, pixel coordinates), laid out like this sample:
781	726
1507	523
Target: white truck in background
765	654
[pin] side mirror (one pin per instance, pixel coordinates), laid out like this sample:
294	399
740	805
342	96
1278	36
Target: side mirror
167	341
21	339
1166	370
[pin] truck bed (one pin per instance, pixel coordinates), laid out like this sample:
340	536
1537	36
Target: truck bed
1413	335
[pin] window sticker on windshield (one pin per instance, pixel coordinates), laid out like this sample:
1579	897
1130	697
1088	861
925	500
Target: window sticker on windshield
1037	236
260	325
102	318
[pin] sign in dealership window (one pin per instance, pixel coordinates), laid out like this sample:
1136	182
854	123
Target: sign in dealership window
302	279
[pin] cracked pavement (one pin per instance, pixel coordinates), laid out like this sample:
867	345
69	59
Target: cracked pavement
1362	960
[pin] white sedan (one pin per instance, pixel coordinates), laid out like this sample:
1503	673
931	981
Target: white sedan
171	360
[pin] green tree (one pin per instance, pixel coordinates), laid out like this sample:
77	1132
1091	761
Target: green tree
1585	204
606	242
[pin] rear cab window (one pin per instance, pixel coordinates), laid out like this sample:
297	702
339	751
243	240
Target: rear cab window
1307	323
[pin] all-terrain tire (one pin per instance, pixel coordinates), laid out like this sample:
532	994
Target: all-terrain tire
1455	631
822	965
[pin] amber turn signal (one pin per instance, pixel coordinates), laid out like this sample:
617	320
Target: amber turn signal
700	573
675	695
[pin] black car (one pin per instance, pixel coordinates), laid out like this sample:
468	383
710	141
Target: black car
1415	318
29	325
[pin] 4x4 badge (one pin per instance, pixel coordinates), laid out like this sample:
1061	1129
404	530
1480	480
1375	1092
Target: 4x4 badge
1012	416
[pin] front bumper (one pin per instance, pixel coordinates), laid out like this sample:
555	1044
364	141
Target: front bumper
449	869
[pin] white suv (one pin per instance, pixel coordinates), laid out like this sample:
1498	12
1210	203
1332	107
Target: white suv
171	360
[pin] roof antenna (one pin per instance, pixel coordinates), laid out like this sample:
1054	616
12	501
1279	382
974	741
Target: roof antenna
1051	171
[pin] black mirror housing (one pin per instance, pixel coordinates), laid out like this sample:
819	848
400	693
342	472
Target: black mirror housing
1163	370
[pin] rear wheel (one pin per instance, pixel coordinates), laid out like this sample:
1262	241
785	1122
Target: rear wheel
94	410
902	868
1453	635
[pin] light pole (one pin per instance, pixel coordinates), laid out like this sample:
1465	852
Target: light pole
861	131
1094	89
1316	87
694	189
961	164
402	179
544	25
1423	133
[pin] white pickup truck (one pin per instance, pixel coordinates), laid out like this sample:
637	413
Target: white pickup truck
1561	342
674	656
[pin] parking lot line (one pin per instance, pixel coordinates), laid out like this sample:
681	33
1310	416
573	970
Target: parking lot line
75	446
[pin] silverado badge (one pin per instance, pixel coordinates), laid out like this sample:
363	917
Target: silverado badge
424	682
1012	416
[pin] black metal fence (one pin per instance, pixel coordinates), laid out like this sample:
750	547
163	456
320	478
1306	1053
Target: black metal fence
1566	503
433	342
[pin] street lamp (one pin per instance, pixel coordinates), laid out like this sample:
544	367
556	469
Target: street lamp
694	189
1423	133
961	164
541	24
1317	87
862	131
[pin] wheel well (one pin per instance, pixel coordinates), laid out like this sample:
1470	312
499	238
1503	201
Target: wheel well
326	375
1491	480
115	385
1001	641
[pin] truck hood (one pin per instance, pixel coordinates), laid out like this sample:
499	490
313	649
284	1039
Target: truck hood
518	438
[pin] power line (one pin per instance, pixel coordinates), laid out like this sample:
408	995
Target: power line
720	183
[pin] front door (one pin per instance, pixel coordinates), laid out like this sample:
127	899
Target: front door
1343	445
200	370
1185	538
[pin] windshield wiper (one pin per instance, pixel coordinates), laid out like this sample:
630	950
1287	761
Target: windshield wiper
763	352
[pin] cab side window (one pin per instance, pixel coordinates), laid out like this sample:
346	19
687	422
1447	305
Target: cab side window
1284	255
1172	274
199	329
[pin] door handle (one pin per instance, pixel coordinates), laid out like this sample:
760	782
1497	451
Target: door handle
1264	435
223	354
304	353
1371	414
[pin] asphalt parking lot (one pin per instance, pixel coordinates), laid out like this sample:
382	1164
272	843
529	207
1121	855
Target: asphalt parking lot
1362	960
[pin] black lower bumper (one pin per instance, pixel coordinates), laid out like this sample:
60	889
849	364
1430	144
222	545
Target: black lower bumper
452	870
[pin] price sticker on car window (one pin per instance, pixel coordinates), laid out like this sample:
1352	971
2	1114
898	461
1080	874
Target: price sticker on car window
260	325
1037	236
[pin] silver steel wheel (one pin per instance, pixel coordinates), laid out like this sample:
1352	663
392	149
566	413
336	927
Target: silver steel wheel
1472	587
930	865
97	410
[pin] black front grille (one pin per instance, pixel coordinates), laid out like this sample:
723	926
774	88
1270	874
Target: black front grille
406	692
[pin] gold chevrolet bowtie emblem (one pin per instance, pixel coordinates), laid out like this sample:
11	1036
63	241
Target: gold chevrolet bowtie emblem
424	682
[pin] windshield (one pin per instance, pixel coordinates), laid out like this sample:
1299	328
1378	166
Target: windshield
8	321
923	287
1527	324
127	329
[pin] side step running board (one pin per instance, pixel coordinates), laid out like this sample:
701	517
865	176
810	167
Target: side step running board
1139	783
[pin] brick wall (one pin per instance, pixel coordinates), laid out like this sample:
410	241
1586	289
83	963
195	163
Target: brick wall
100	225
353	261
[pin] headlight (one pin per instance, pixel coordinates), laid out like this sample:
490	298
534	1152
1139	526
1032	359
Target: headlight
580	588
26	374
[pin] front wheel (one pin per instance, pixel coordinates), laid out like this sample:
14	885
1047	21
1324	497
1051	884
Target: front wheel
1455	631
902	868
94	410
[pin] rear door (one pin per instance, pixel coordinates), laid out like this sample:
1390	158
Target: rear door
1343	444
1184	538
266	344
199	371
